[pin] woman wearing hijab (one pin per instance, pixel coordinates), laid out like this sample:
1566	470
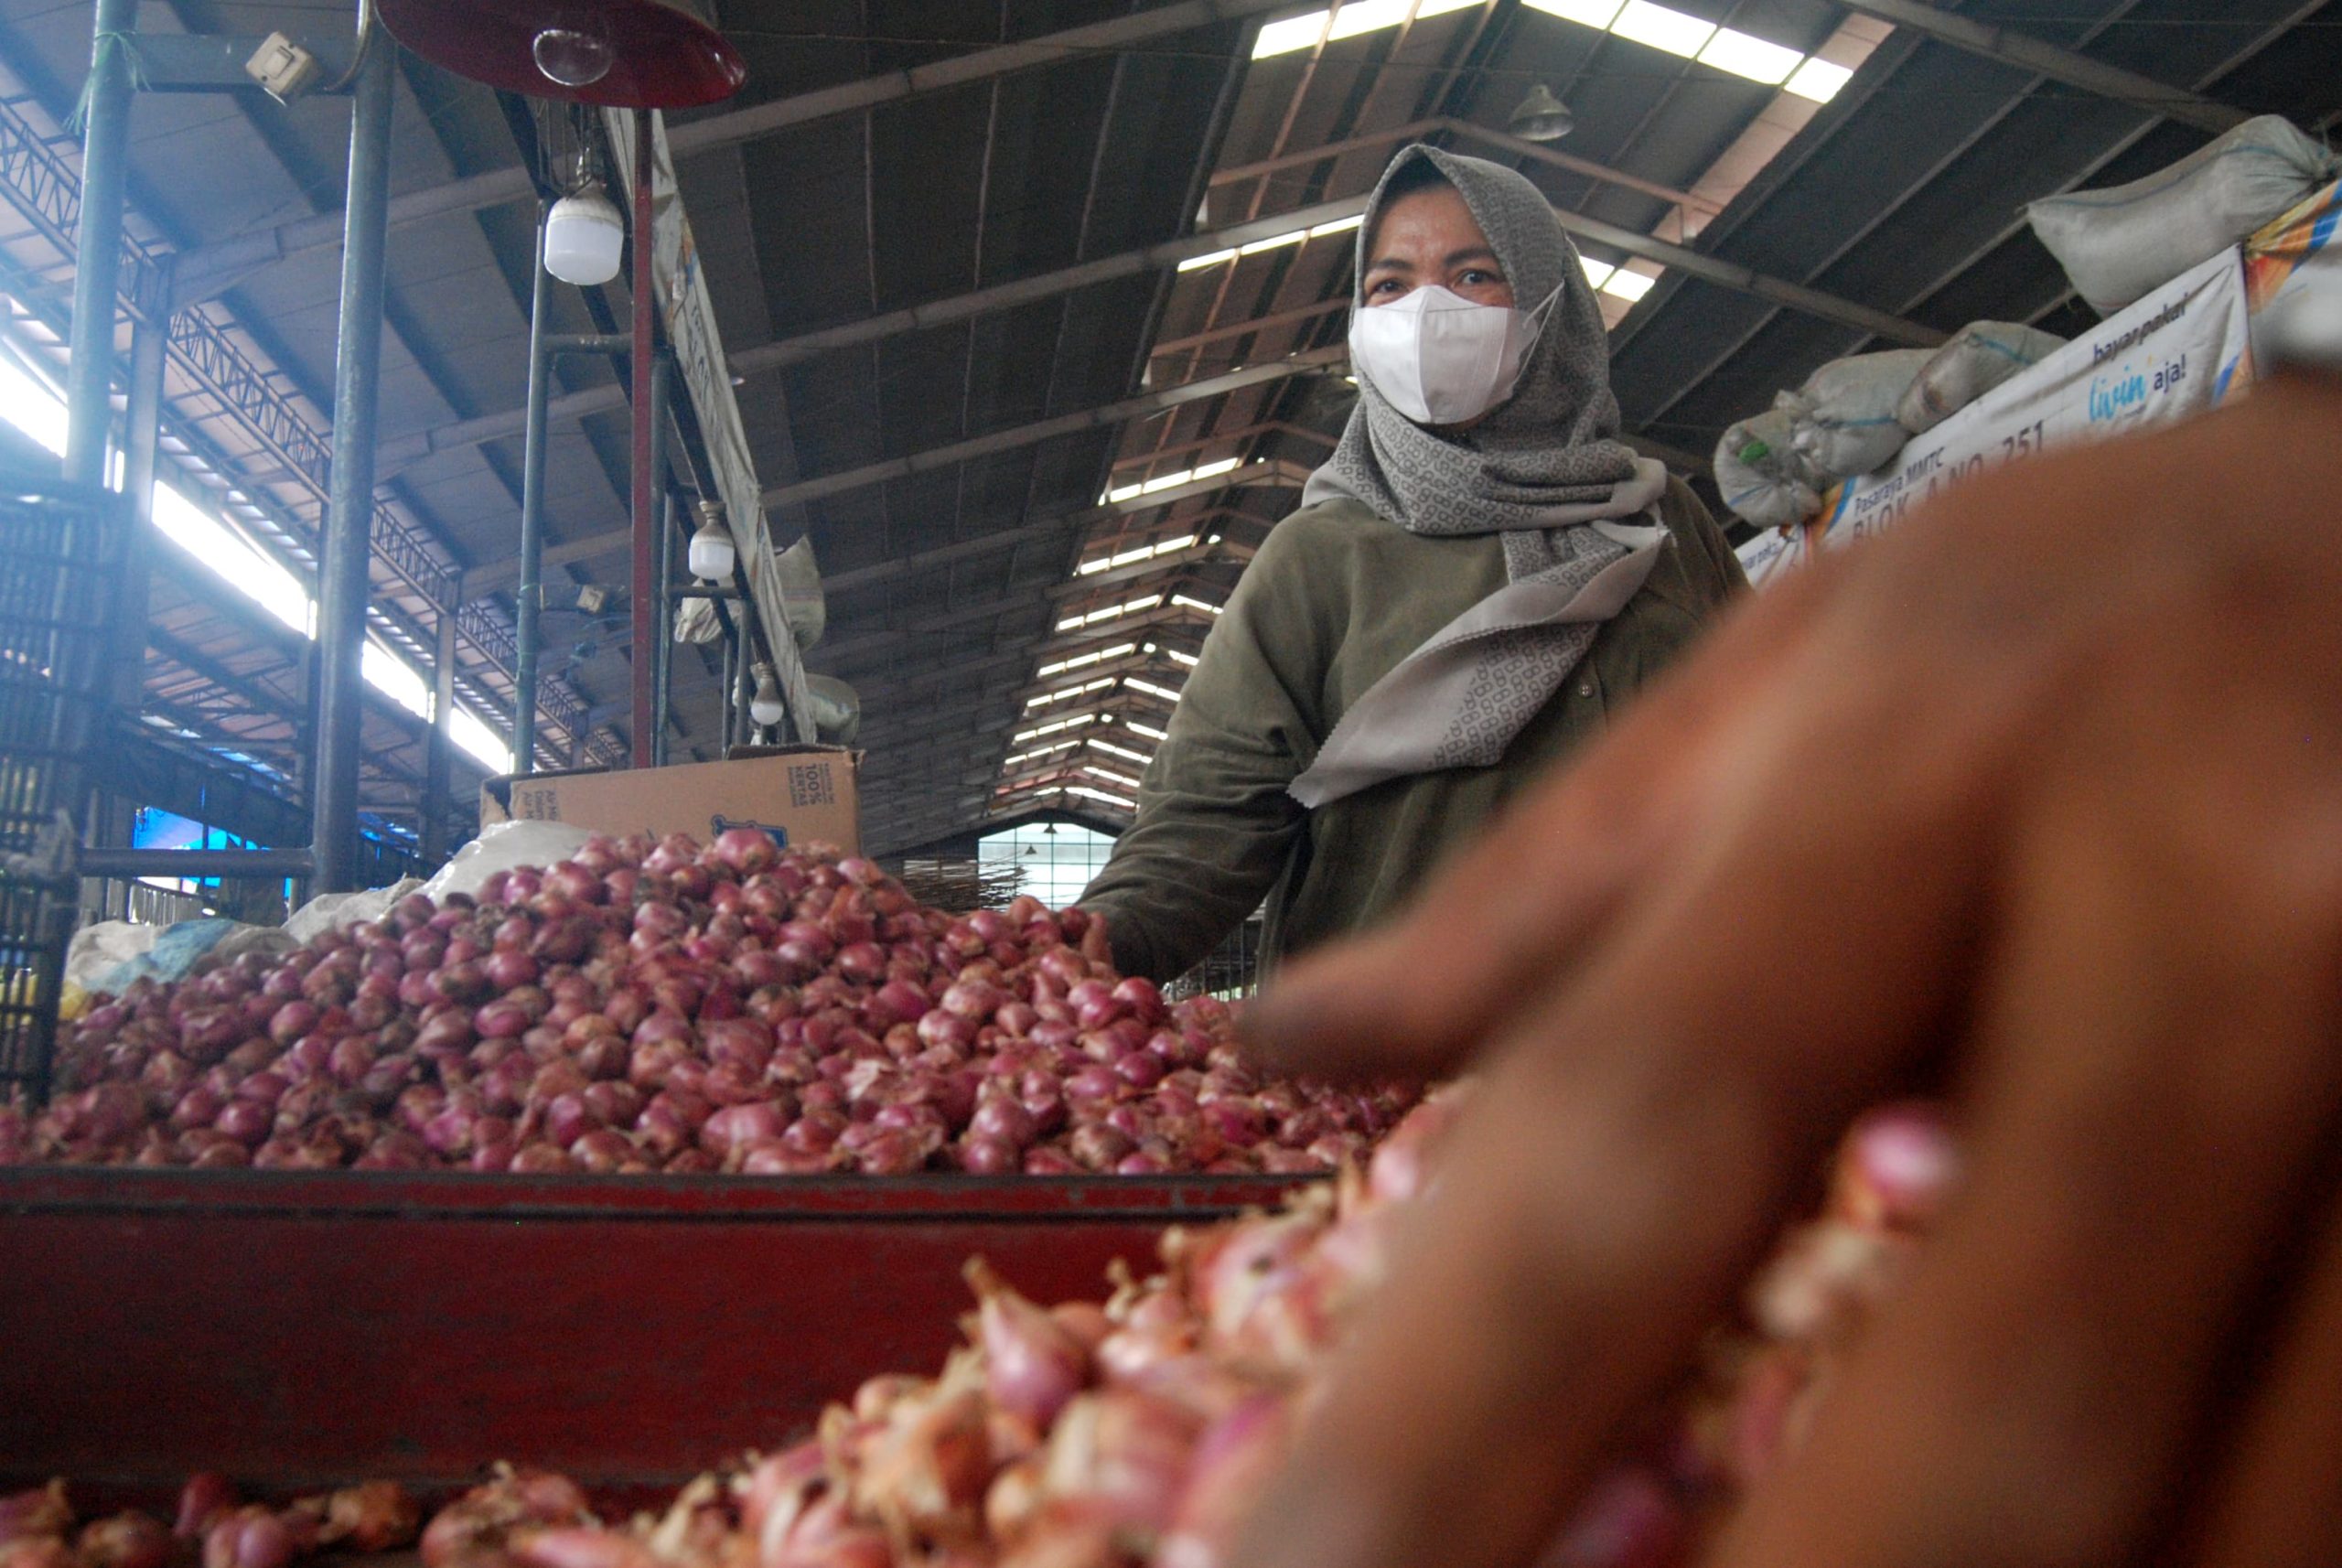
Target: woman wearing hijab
1471	583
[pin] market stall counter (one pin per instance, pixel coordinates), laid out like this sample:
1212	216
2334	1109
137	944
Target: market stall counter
295	1328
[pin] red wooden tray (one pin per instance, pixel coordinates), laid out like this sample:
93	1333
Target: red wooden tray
295	1329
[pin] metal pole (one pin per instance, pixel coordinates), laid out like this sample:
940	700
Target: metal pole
661	389
743	680
341	618
267	862
435	803
141	436
731	655
663	656
97	258
533	512
644	372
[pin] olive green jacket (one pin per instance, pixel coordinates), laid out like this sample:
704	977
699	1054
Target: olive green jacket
1336	597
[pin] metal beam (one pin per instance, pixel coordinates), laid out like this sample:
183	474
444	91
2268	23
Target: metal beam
262	630
1045	645
1071	644
1130	264
271	863
1112	414
2057	64
214	62
1138	663
47	193
211	268
992	731
1210	555
1257	324
787	351
488	578
1537	151
1277	472
1222	437
965	755
952	620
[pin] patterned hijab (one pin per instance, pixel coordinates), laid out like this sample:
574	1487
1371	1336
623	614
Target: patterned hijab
1543	470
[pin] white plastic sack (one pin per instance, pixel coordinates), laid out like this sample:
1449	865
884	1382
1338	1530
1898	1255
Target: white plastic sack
502	846
1844	414
101	948
329	911
2123	243
1980	357
177	947
1761	475
695	621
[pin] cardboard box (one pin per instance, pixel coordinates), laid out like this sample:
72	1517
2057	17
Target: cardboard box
800	794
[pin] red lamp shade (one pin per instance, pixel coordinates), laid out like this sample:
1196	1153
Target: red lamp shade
621	54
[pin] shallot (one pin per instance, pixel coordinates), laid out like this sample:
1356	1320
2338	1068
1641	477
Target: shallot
667	1007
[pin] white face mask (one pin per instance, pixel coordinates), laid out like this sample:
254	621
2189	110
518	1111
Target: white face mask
1441	358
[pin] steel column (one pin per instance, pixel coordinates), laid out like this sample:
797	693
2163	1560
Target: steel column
341	618
141	437
744	684
725	693
662	527
663	656
437	747
97	266
644	373
532	512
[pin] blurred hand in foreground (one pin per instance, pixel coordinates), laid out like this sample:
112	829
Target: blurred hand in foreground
2037	801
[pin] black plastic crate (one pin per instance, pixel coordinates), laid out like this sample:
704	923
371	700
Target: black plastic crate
61	562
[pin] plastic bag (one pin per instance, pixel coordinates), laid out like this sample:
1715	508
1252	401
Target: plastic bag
175	948
328	911
1980	357
502	846
2124	242
103	946
1762	475
1844	414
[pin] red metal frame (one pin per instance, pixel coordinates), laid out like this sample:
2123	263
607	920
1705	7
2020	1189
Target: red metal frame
297	1328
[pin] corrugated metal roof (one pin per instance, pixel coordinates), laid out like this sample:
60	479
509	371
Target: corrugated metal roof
1901	194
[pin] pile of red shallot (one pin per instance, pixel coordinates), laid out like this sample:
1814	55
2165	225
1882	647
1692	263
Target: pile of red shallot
38	1529
660	1006
1138	1432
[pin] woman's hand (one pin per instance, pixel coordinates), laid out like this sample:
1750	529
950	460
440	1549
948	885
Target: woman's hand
2036	802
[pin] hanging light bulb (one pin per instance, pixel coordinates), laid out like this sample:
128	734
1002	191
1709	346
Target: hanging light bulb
711	554
584	234
1541	117
764	707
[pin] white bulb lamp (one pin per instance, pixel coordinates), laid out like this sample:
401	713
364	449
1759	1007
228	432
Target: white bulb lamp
584	235
764	707
711	554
